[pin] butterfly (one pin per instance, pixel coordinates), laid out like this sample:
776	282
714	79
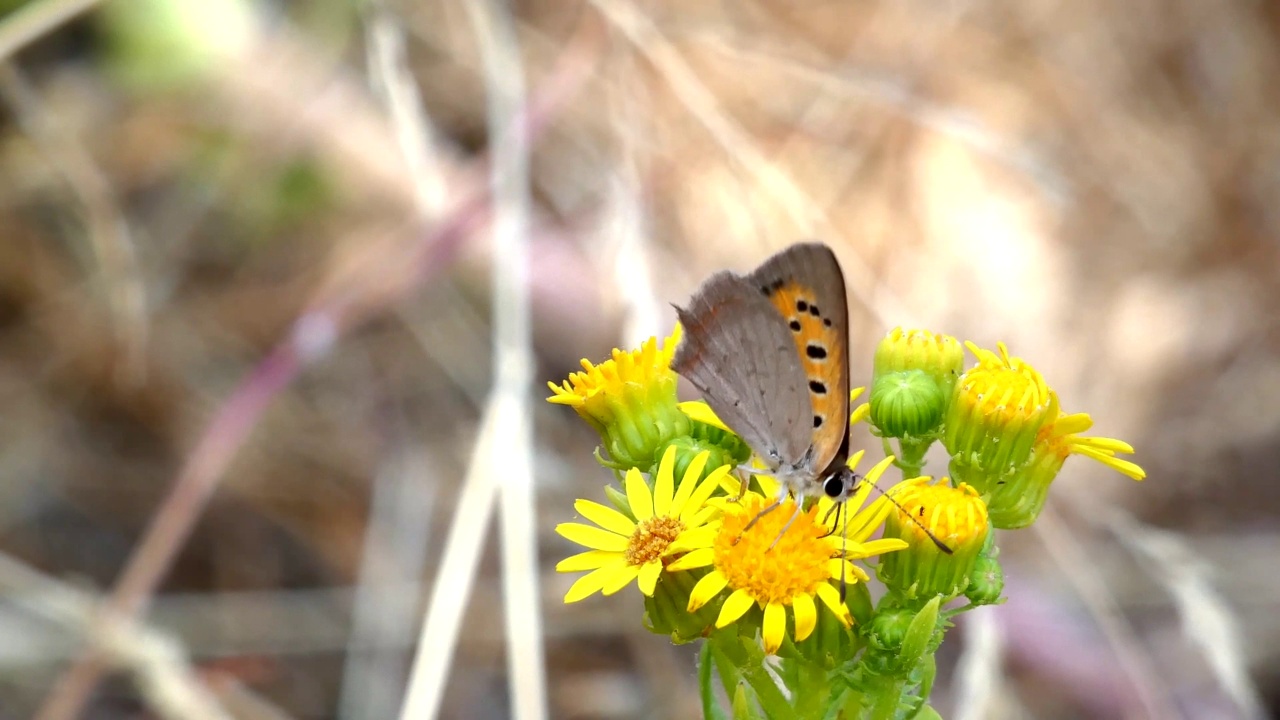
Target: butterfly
769	352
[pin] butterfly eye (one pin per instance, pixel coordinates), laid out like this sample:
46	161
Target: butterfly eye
833	486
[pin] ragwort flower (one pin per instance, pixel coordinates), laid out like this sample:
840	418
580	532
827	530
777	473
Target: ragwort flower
625	548
630	400
763	565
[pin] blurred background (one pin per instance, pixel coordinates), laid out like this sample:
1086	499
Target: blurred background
247	326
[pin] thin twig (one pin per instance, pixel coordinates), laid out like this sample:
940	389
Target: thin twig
512	456
505	447
415	132
158	662
1067	553
462	547
1207	619
312	335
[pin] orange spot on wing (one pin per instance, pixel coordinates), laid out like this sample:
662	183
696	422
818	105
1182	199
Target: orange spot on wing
795	303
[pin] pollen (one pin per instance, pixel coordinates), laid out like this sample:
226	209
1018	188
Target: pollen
651	539
773	573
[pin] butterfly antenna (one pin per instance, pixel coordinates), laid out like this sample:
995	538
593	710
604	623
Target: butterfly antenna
844	550
941	545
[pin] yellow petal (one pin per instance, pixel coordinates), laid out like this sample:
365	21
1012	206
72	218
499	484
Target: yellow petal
879	547
592	537
708	587
592	582
689	482
859	414
701	517
806	614
699	496
589	560
1108	444
604	516
693	539
664	484
831	598
638	496
648	576
620	578
738	603
841	569
1133	470
775	627
695	559
702	412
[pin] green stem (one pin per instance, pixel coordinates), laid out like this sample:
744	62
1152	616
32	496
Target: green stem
710	711
911	458
746	660
812	692
888	697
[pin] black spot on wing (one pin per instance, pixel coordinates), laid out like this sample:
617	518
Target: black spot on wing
818	387
817	421
794	325
815	351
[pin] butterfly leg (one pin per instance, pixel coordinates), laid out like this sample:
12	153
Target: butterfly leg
744	473
782	495
835	510
799	509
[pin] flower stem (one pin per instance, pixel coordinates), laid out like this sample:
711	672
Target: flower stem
745	660
710	711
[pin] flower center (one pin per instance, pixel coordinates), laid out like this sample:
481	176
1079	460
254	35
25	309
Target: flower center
651	539
795	565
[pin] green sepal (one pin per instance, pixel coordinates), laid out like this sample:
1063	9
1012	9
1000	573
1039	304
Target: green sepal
618	499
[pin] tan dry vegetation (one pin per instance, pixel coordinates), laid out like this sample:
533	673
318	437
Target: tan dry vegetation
1096	184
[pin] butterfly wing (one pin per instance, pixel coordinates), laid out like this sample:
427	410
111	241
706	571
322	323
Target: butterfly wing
805	285
738	351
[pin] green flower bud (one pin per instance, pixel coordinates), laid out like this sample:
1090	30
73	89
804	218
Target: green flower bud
912	381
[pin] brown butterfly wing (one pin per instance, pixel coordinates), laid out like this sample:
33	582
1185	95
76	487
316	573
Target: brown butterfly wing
806	287
738	351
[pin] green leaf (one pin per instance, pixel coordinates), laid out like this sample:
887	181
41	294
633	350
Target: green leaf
916	640
742	709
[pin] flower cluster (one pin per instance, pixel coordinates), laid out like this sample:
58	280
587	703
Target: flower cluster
720	551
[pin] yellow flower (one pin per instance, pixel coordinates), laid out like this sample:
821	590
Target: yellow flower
763	566
1008	437
625	549
955	516
1017	502
630	400
997	408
